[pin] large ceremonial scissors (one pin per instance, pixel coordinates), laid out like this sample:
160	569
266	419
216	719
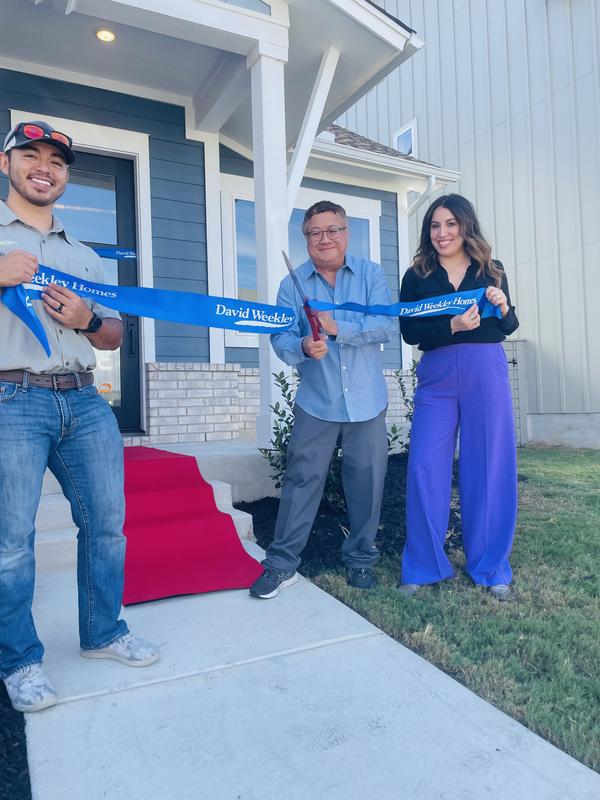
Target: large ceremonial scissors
312	315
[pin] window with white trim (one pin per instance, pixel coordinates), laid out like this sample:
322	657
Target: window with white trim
239	248
405	139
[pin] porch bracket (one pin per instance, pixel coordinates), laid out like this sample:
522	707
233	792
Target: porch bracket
310	124
423	197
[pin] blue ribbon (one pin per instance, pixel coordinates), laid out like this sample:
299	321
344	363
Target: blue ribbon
216	312
17	300
456	303
118	253
185	307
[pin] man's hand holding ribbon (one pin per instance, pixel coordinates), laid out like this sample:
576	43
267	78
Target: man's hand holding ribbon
17	267
65	307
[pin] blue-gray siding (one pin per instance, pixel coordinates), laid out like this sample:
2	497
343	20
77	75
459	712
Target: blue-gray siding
176	179
246	356
234	164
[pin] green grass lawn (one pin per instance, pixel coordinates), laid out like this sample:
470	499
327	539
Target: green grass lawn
537	656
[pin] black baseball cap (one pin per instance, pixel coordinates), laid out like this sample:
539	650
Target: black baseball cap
24	133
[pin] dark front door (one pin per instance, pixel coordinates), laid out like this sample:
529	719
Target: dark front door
98	208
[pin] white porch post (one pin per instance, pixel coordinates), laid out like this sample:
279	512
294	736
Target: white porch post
403	258
270	192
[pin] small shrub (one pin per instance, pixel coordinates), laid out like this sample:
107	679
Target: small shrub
283	423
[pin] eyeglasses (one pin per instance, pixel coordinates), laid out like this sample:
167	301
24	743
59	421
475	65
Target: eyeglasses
34	132
333	232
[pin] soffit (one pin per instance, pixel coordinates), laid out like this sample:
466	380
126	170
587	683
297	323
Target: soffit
169	50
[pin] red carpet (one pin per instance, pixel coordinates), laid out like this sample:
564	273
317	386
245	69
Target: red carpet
178	542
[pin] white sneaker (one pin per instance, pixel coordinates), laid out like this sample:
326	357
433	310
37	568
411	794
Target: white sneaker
128	649
29	689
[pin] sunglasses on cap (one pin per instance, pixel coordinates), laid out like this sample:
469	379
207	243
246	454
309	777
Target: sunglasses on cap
26	132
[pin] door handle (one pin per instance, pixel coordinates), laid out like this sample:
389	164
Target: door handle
132	337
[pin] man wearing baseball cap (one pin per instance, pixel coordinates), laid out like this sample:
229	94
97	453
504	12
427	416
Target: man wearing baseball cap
52	416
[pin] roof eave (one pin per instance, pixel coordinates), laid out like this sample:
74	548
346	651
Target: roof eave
396	165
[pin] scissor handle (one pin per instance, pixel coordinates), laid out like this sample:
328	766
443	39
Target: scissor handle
313	321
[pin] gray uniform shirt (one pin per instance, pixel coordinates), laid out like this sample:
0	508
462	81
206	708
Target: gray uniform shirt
19	348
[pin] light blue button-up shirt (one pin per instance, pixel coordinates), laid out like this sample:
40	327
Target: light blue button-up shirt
347	385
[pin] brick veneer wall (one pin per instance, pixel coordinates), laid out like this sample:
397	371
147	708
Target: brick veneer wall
191	402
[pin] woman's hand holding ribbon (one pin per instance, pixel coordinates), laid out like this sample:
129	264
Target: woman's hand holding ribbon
467	321
497	298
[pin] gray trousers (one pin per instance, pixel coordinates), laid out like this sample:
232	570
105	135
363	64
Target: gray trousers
364	464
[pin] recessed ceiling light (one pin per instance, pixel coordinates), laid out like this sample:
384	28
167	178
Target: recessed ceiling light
105	36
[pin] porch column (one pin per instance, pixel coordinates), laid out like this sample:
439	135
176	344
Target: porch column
404	257
270	192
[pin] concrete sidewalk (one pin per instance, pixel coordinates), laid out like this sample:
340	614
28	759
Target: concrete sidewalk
298	698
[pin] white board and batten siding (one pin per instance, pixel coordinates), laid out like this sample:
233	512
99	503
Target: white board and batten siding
508	93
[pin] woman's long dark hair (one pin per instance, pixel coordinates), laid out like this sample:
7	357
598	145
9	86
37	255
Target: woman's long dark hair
426	258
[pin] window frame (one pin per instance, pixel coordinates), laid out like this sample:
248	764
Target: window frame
235	187
412	127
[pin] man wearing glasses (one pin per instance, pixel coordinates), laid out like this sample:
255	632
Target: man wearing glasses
342	395
52	416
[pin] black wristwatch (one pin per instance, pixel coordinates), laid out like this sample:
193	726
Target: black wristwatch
94	326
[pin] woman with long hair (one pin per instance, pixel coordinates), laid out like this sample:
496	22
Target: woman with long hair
462	388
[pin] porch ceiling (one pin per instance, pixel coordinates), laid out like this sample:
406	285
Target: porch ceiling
193	52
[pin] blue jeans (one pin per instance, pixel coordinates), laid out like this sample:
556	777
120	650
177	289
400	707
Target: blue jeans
75	434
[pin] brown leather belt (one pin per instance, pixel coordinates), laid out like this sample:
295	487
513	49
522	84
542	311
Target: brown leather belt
69	380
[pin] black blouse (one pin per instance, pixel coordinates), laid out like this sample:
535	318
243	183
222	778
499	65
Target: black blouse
432	332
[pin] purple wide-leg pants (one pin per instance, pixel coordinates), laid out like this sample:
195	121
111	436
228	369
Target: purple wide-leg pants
462	387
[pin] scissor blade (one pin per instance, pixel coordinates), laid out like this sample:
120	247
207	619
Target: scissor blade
295	278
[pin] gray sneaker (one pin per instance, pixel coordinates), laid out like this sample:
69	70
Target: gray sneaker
501	591
127	649
29	689
271	582
408	589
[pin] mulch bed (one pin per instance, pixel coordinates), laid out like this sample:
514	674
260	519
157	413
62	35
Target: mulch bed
323	551
14	774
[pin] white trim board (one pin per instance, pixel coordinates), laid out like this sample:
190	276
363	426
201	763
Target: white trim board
214	247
